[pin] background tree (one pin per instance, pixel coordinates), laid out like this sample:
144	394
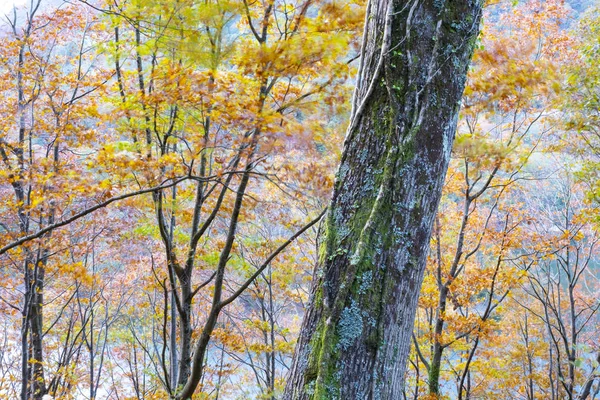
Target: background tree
46	113
563	286
181	116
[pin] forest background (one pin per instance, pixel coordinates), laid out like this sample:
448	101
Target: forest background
164	165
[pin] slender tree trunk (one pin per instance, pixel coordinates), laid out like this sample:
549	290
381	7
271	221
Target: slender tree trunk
173	356
91	349
356	333
32	379
185	320
436	359
39	388
25	349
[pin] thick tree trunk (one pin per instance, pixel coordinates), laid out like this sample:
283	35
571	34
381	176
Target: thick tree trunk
356	333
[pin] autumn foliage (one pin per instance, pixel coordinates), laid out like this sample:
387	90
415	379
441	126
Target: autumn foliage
164	166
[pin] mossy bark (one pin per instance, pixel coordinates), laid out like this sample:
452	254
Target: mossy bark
357	329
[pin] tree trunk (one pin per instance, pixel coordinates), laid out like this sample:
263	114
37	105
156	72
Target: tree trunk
173	356
356	333
185	320
36	331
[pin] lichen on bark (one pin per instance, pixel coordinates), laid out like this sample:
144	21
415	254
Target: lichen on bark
356	332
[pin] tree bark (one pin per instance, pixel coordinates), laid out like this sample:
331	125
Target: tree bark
36	332
356	333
